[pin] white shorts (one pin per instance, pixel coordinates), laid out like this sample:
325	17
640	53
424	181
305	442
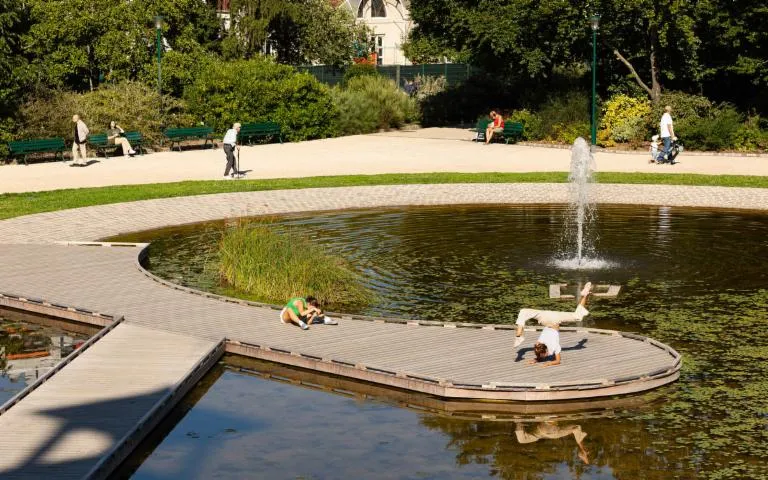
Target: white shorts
281	315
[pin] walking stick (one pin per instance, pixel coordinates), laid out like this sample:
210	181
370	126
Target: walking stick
237	169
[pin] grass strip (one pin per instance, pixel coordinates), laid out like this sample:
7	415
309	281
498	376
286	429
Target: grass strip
17	204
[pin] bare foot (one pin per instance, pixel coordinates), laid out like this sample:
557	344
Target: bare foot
587	289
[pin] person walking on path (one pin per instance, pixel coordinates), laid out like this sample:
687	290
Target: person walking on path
496	126
667	133
78	145
548	343
114	136
230	144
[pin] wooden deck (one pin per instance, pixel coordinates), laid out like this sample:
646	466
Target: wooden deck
168	328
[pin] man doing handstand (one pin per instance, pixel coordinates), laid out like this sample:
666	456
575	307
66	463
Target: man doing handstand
548	343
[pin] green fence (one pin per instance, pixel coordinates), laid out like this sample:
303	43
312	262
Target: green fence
454	73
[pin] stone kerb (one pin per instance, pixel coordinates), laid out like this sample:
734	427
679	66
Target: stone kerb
98	222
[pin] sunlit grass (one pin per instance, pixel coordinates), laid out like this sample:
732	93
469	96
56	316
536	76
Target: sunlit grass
16	204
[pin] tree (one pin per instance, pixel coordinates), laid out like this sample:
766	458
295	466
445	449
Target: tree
12	23
78	43
299	31
656	37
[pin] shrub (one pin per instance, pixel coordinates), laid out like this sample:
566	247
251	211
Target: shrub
753	135
624	120
429	86
7	129
133	105
260	90
716	131
369	103
531	122
271	267
360	70
179	70
565	117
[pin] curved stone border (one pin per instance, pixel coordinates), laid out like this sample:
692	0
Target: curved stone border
92	223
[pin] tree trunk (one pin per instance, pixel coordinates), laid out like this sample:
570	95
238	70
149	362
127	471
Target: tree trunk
655	86
634	73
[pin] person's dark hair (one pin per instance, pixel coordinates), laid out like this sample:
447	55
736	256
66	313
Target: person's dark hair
540	350
112	122
313	301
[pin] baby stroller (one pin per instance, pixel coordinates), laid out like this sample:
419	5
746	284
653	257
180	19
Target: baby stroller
675	148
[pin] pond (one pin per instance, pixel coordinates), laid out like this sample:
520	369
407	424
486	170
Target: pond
30	345
693	279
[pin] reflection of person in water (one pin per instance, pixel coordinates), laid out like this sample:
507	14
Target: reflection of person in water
551	430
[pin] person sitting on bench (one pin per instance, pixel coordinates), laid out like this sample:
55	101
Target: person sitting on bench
548	343
496	126
113	137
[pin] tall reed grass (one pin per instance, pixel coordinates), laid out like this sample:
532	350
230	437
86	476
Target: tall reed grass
271	266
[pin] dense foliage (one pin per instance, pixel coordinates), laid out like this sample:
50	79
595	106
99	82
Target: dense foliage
50	114
369	103
261	90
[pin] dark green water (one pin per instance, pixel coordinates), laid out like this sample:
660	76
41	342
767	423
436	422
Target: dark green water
694	279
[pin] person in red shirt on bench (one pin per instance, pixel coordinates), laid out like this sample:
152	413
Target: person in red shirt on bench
496	126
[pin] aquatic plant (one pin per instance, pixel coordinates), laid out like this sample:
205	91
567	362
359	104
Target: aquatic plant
271	266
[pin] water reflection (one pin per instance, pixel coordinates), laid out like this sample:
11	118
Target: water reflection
251	420
30	345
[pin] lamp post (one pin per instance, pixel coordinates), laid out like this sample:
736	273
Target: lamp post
594	22
159	36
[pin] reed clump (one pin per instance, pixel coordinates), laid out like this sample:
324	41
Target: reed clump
271	266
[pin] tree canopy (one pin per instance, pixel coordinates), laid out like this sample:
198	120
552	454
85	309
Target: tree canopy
655	44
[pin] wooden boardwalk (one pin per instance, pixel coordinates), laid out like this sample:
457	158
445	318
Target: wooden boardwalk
86	414
79	421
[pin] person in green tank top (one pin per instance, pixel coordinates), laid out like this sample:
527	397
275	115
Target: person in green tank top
300	311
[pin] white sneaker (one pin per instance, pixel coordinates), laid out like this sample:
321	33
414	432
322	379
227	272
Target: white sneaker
329	321
131	152
519	340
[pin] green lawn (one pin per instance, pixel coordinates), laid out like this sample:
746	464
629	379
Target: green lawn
16	204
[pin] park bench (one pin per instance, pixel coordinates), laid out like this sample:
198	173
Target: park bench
23	148
100	142
249	131
177	135
513	131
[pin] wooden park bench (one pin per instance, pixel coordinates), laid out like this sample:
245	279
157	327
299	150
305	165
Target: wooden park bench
249	131
100	142
513	131
23	148
178	135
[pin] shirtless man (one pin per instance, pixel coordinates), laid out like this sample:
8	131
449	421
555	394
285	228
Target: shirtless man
548	343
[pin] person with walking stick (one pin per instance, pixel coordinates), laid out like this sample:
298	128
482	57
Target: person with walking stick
230	144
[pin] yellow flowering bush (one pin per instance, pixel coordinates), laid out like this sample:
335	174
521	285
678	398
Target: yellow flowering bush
624	120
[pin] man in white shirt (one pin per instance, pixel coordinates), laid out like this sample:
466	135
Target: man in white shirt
230	144
667	133
548	343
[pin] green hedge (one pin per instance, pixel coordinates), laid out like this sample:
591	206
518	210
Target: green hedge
260	90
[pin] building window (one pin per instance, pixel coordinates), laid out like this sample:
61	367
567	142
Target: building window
378	9
378	47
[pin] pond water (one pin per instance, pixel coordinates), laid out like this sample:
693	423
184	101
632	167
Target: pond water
30	345
693	279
